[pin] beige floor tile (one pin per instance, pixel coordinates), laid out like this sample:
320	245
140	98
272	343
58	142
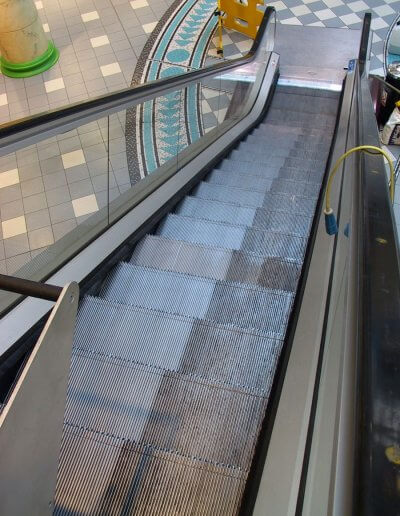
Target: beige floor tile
13	227
73	159
90	16
8	178
137	4
99	41
85	205
110	69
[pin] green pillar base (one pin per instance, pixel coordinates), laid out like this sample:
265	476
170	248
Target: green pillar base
34	67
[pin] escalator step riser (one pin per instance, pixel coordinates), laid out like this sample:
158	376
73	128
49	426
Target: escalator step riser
250	157
291	102
104	475
280	221
146	337
326	126
160	397
294	174
261	309
233	214
256	183
216	263
273	151
290	203
228	194
294	141
263	170
264	243
273	129
290	114
295	187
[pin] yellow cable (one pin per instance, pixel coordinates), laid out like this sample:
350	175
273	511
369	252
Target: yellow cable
365	148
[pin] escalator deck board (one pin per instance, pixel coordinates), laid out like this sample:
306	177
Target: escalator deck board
174	360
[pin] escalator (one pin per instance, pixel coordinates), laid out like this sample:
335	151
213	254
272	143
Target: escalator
217	320
174	359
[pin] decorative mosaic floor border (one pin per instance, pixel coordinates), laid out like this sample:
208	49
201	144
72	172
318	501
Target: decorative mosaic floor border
159	129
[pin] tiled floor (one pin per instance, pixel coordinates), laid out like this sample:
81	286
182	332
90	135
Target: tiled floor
46	190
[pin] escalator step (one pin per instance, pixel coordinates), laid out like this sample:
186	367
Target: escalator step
255	183
289	115
303	163
293	141
171	342
229	194
264	170
289	223
272	127
289	186
216	263
317	105
216	210
264	243
258	184
165	410
224	303
103	474
269	200
271	149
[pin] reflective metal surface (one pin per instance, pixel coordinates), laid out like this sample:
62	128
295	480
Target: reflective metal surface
32	419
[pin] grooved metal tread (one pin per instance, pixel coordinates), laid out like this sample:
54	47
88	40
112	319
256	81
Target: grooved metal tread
259	218
216	263
173	362
265	243
256	182
168	342
241	156
111	476
267	148
246	306
243	197
266	172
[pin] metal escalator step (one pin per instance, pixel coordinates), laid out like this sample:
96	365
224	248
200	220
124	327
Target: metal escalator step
289	223
291	203
228	356
273	129
105	475
307	189
305	127
311	176
216	210
263	170
264	243
288	115
291	141
228	194
318	124
163	409
302	103
256	183
271	161
224	303
216	263
280	150
269	200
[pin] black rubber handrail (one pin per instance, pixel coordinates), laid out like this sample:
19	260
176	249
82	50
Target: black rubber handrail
29	288
377	432
64	119
363	54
